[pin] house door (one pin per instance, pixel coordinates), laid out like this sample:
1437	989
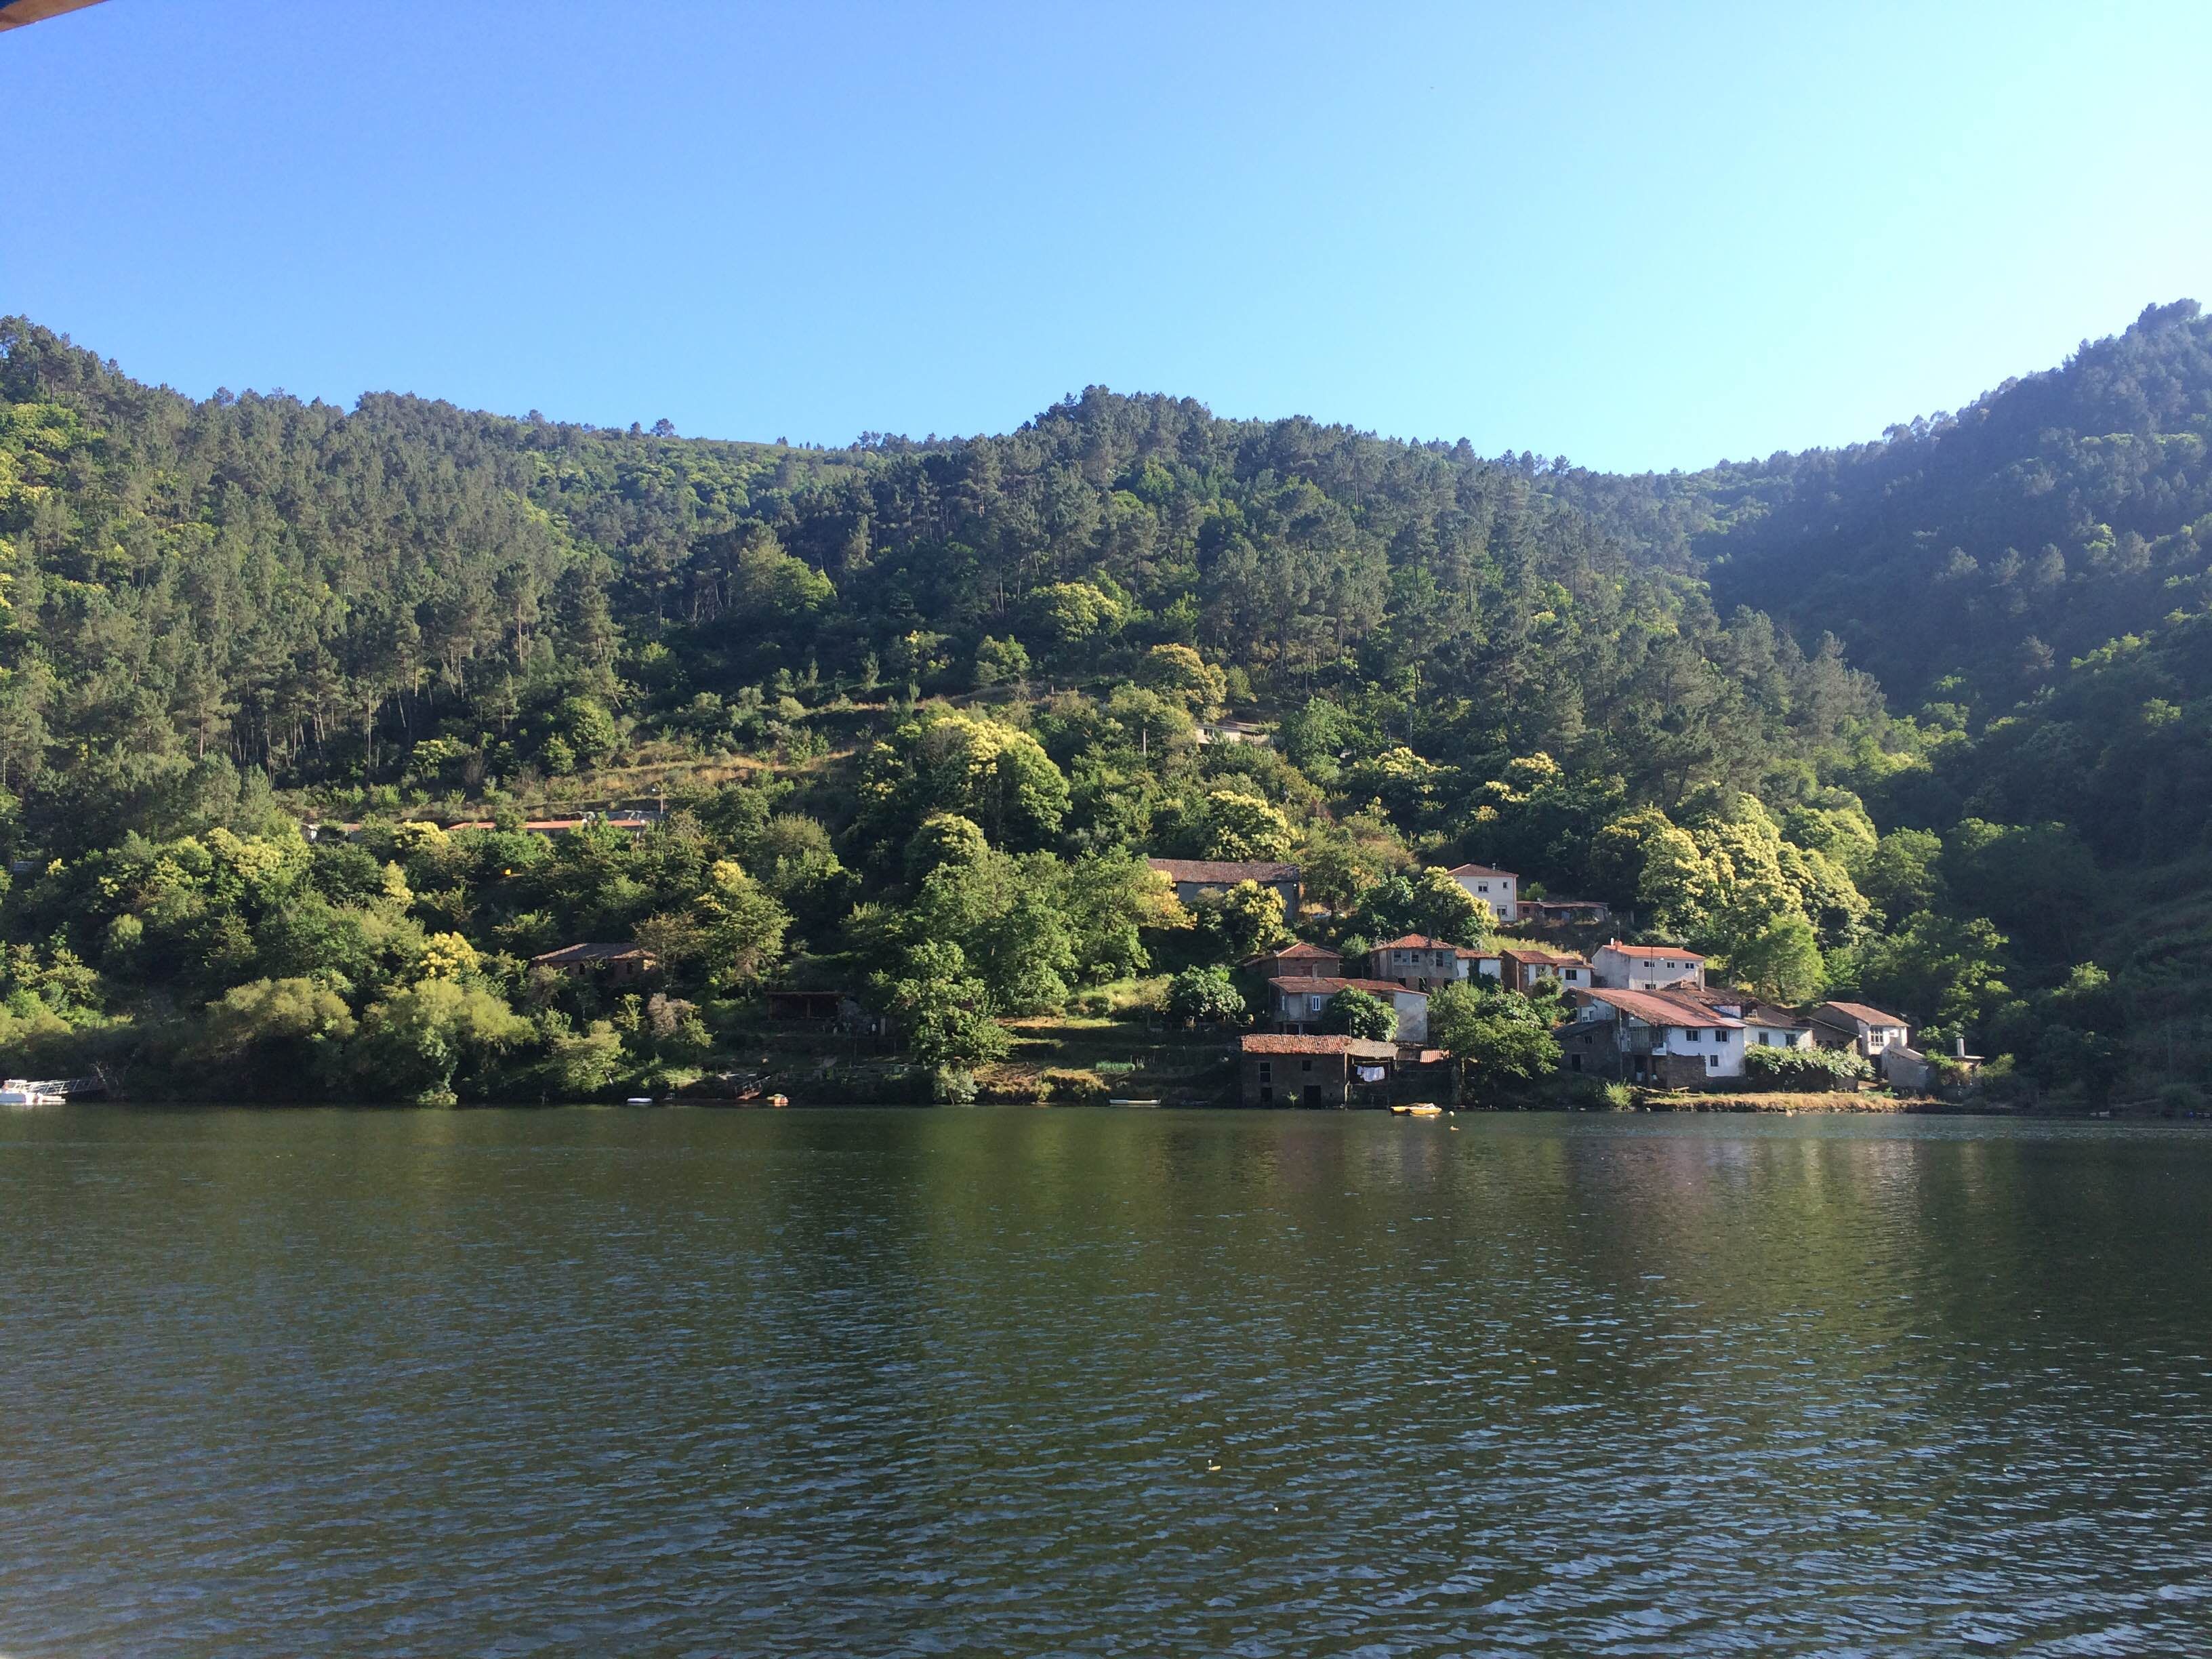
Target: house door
1313	1094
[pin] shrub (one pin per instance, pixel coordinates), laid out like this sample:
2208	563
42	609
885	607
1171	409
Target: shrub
1358	1014
1806	1070
1205	994
1071	1088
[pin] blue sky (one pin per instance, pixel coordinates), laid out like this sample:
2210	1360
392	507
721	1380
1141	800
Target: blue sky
1640	237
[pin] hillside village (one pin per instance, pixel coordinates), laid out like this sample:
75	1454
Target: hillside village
1351	1027
1634	1013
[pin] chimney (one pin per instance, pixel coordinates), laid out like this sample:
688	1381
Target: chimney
1958	1048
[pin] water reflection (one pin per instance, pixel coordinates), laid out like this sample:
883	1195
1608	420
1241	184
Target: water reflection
1061	1381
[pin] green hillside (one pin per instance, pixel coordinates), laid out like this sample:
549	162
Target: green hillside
1923	721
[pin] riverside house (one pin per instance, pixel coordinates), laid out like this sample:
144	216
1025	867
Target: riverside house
1294	1004
1194	878
1855	1025
1657	1037
1288	1070
1764	1026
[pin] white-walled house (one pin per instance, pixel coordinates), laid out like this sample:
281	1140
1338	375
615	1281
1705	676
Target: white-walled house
1296	1004
1764	1026
1619	967
1496	888
1650	1037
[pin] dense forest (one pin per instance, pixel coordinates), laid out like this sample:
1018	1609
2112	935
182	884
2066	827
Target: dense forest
1923	720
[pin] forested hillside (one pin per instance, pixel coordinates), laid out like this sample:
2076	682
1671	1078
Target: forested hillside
913	699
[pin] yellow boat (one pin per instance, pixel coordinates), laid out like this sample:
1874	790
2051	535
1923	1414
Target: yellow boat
1419	1108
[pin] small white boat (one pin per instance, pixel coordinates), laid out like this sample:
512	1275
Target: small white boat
1117	1101
16	1092
639	1100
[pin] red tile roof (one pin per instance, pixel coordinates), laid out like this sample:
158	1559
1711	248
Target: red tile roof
1300	951
1413	942
1480	870
1328	985
1268	1042
1225	871
1675	950
1658	1008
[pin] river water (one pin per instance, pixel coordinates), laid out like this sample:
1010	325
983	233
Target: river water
1089	1382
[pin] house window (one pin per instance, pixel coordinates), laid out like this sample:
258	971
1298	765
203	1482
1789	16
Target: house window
1305	1066
1267	1071
1713	1060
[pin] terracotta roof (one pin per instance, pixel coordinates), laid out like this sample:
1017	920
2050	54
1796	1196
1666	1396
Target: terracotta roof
1267	1043
1413	942
1658	1008
1227	871
588	953
1480	870
1300	952
1546	958
1859	1010
1466	955
1323	983
1619	949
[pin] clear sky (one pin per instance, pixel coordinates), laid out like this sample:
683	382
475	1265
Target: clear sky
1646	236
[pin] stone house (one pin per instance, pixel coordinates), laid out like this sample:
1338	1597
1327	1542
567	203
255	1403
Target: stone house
1194	878
1295	960
1855	1025
621	964
1563	913
1420	963
1287	1070
1527	967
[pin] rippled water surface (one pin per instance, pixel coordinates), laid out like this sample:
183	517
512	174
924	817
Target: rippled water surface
375	1383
